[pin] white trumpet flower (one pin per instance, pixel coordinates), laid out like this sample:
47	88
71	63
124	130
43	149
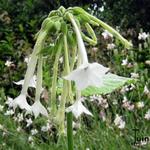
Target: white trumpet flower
37	108
90	74
78	108
21	102
32	82
21	99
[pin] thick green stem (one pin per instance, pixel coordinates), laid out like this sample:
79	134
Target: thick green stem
33	61
39	79
70	130
54	82
66	90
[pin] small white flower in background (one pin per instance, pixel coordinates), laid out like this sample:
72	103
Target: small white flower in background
88	75
78	108
102	115
147	115
1	108
8	63
34	131
102	102
31	84
20	117
1	127
143	36
29	122
87	149
134	75
140	104
124	62
30	139
146	90
21	102
119	122
110	46
132	86
107	35
37	108
9	102
94	49
19	129
127	88
9	112
46	128
127	104
101	9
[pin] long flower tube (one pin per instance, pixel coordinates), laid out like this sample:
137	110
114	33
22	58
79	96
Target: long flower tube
21	99
66	90
54	80
37	108
88	74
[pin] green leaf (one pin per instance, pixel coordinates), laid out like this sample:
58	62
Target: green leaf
111	83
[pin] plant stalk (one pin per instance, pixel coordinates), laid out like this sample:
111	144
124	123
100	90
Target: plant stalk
70	130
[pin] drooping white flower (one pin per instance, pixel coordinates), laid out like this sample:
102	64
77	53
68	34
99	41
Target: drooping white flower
9	102
143	36
107	35
119	122
147	115
32	82
90	74
8	63
38	108
21	102
78	108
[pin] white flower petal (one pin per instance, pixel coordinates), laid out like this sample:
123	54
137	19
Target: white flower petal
21	102
38	108
88	75
78	108
31	84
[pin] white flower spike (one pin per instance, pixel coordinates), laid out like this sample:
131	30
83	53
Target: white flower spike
32	82
78	108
